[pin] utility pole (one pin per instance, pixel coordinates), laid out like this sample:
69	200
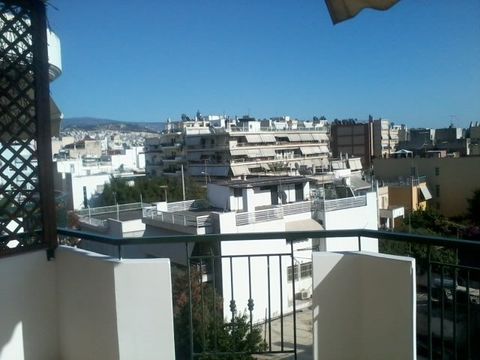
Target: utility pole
183	183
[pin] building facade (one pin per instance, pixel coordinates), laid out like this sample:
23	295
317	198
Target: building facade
237	148
451	180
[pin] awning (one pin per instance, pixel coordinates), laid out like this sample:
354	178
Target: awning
355	164
324	149
239	152
268	138
337	164
357	183
240	170
425	192
310	150
254	153
268	152
294	137
306	137
303	225
320	137
256	139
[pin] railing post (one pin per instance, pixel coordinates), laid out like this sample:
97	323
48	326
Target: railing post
190	305
294	305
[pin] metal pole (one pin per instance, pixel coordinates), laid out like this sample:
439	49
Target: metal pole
183	183
42	122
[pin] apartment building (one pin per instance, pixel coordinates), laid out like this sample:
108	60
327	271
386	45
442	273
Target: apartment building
350	137
452	140
385	138
373	139
451	180
255	205
223	148
474	136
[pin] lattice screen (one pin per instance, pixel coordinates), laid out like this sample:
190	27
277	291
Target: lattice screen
21	221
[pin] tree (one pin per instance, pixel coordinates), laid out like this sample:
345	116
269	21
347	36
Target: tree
474	207
211	332
152	189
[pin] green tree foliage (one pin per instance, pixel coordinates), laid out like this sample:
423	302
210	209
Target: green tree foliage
149	189
429	223
211	332
474	207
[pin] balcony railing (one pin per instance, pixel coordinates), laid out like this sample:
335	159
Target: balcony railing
177	218
339	204
275	213
447	293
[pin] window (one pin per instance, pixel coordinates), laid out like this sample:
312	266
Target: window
306	270
437	190
437	171
290	273
237	192
301	271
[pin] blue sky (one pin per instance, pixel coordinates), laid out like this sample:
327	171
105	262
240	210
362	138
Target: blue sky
418	63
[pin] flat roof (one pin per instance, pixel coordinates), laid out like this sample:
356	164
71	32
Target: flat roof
262	181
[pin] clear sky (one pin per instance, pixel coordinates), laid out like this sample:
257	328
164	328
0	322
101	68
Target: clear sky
418	63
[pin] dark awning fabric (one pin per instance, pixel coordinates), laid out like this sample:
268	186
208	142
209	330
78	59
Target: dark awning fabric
341	10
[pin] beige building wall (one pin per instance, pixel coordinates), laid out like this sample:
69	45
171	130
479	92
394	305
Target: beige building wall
406	196
450	180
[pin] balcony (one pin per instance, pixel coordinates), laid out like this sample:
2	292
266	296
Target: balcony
364	306
340	204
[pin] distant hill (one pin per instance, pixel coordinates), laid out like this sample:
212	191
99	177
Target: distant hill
91	123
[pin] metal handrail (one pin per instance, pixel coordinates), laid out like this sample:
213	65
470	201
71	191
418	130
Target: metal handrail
291	235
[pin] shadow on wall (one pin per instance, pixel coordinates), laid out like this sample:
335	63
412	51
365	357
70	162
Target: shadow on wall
28	321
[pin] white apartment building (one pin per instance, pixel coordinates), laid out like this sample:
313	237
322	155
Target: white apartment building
385	137
257	205
233	148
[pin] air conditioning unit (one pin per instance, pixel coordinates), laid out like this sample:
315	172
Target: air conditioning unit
303	295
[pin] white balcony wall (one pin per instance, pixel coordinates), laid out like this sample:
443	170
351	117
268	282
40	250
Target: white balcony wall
359	217
28	324
364	306
82	305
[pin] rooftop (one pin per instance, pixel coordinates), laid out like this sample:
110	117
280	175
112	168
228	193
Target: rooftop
262	181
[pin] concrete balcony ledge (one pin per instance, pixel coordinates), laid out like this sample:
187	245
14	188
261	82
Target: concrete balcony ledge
83	305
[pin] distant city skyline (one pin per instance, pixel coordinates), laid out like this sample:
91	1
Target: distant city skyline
417	64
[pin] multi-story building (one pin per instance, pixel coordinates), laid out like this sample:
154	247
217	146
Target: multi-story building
451	180
473	133
250	206
237	148
451	140
373	139
350	137
385	138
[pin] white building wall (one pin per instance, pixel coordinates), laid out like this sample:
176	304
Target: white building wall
364	306
259	269
362	217
262	197
112	309
92	184
28	324
81	305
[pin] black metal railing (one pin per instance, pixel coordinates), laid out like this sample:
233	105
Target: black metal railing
448	282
